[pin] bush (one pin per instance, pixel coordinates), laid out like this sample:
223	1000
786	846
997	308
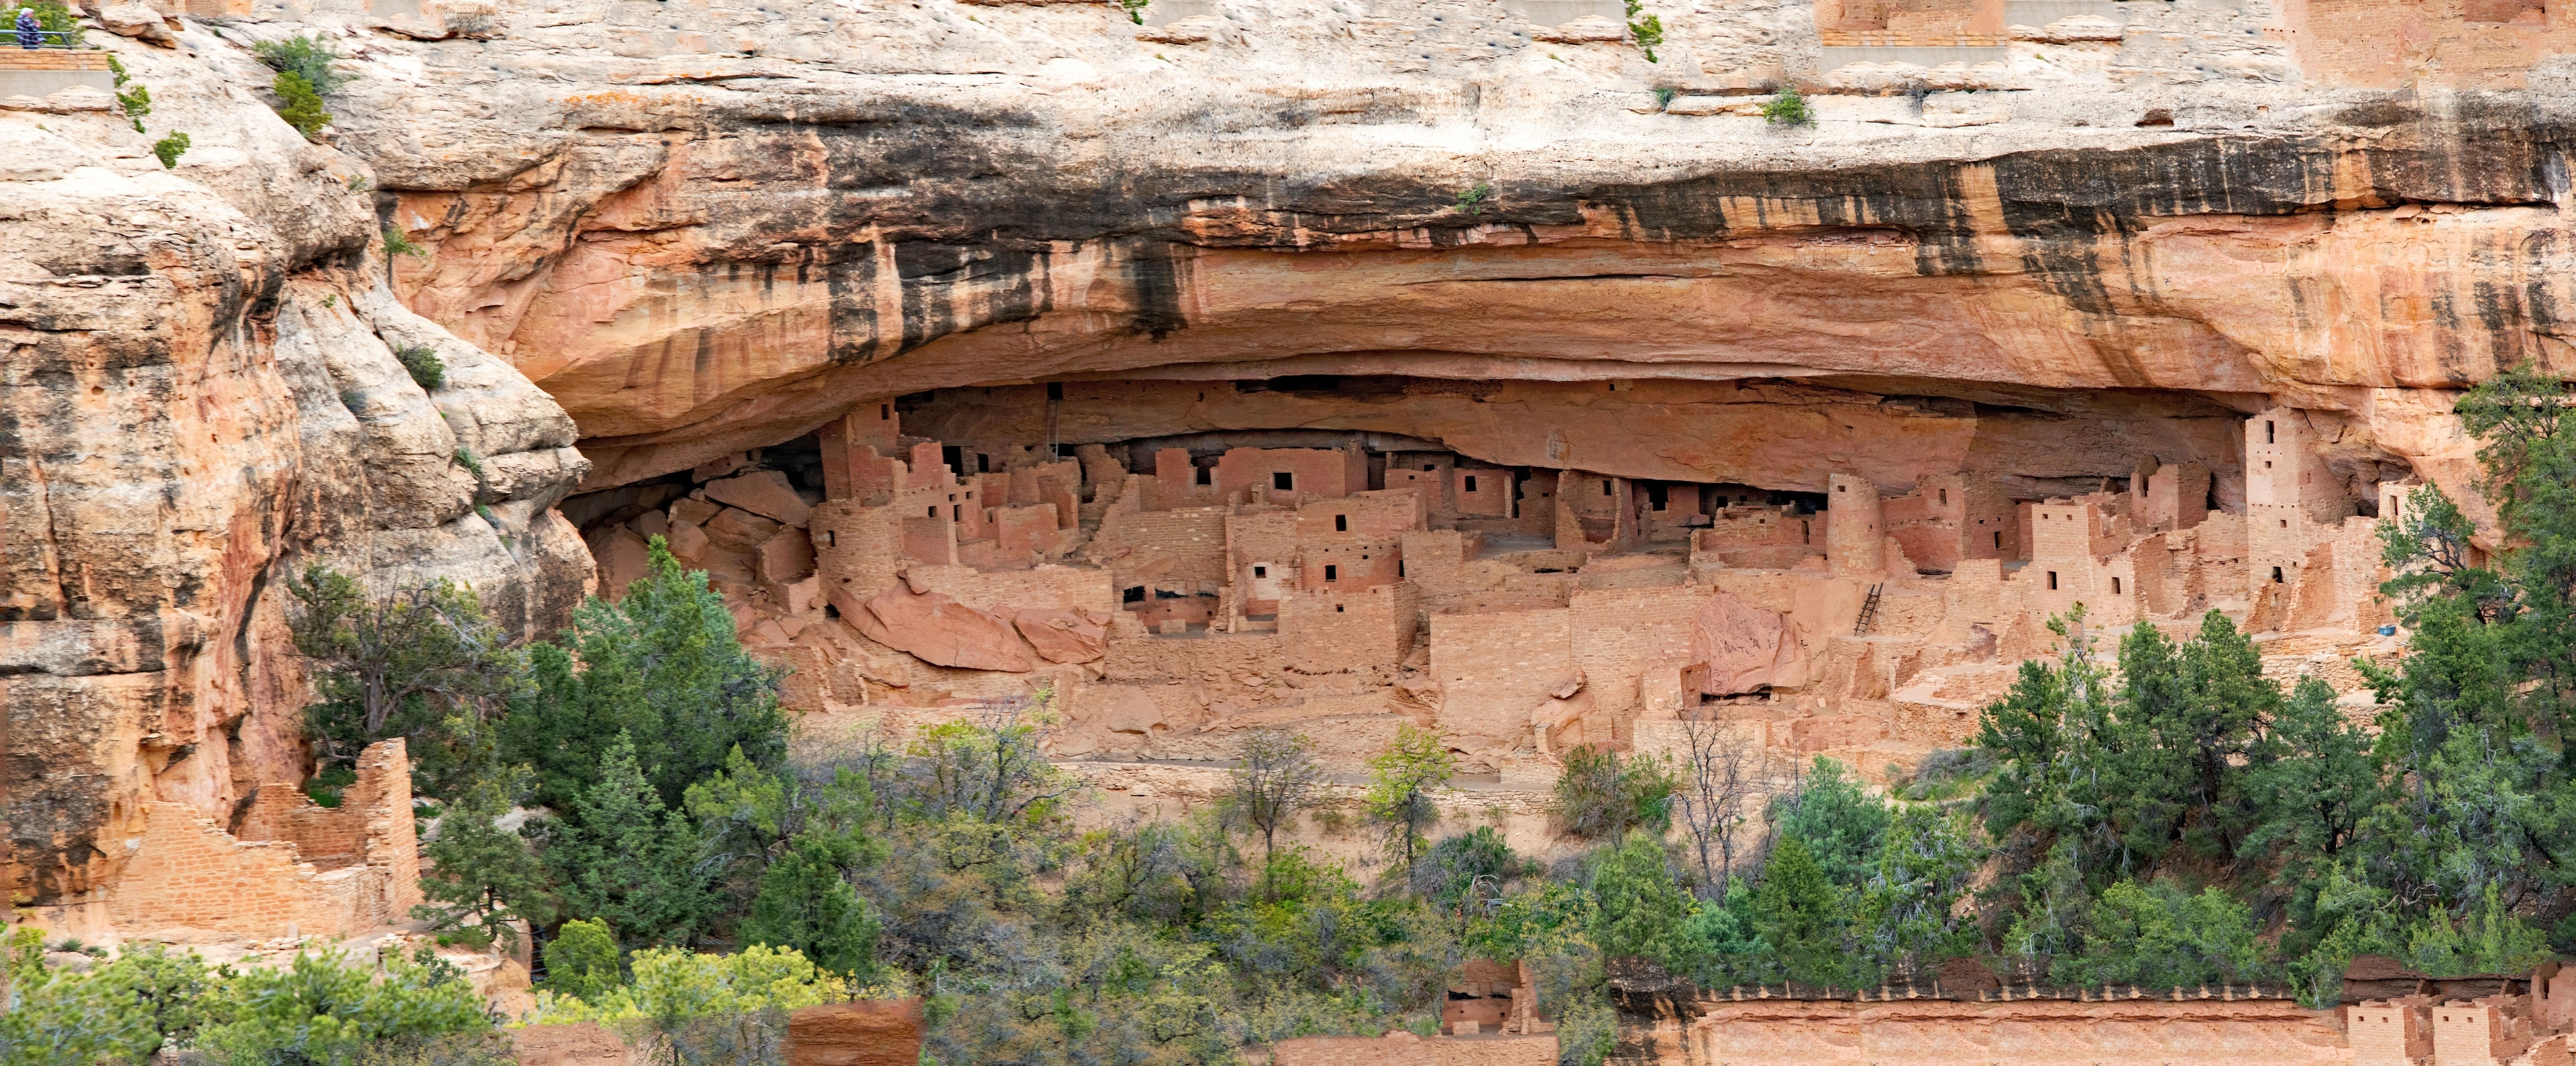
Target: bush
305	58
427	370
581	961
320	1008
399	243
169	148
1788	108
299	104
1599	797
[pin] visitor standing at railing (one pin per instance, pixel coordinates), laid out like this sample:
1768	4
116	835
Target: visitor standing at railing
30	34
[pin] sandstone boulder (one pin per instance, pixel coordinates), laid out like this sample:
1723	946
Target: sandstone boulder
137	21
762	492
624	558
1745	648
1064	636
786	557
1127	709
941	631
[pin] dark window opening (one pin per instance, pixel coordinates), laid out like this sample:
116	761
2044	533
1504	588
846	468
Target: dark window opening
1399	568
1427	468
831	538
2115	586
1341	523
954	456
1658	495
1999	539
1471	482
1334	573
1283	481
885	412
983	463
2276	575
1945	497
1337	608
2268	436
1134	594
1207	476
1605	488
2052	580
1055	390
1261	571
934	512
957	512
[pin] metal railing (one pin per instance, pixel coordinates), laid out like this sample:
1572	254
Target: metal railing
44	39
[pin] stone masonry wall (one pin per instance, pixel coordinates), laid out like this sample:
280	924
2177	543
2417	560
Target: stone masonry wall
188	873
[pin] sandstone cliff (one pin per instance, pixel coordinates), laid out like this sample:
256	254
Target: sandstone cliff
198	393
702	227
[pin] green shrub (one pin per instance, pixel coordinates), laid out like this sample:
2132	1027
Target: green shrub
1788	107
1472	200
1649	31
1135	10
581	961
322	1009
169	148
398	243
472	463
429	372
305	58
299	104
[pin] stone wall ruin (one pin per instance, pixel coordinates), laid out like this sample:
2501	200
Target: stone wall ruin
955	546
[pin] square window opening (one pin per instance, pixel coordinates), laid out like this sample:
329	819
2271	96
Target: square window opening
1471	482
1341	523
1261	571
1133	594
1334	573
2276	575
1283	481
1337	608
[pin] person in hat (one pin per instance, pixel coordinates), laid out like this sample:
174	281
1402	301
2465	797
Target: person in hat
31	34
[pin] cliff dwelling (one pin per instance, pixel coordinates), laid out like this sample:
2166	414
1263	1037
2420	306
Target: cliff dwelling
1516	390
1528	565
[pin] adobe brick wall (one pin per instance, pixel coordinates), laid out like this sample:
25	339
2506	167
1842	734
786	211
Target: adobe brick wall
1621	634
1313	472
188	873
1334	630
1406	1049
1779	1032
1852	539
1178	550
1495	667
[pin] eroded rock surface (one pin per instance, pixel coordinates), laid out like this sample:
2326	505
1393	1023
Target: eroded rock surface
199	394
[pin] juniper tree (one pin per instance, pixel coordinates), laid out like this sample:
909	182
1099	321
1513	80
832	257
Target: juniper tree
661	667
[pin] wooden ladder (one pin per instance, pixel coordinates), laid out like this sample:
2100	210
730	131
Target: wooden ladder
1868	611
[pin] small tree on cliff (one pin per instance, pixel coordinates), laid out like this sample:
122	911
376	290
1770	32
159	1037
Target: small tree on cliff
1400	782
662	667
420	662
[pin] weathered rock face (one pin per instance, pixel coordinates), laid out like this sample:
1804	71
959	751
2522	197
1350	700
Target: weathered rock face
199	393
706	227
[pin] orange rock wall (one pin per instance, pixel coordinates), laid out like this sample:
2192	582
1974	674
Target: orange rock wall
2030	1033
